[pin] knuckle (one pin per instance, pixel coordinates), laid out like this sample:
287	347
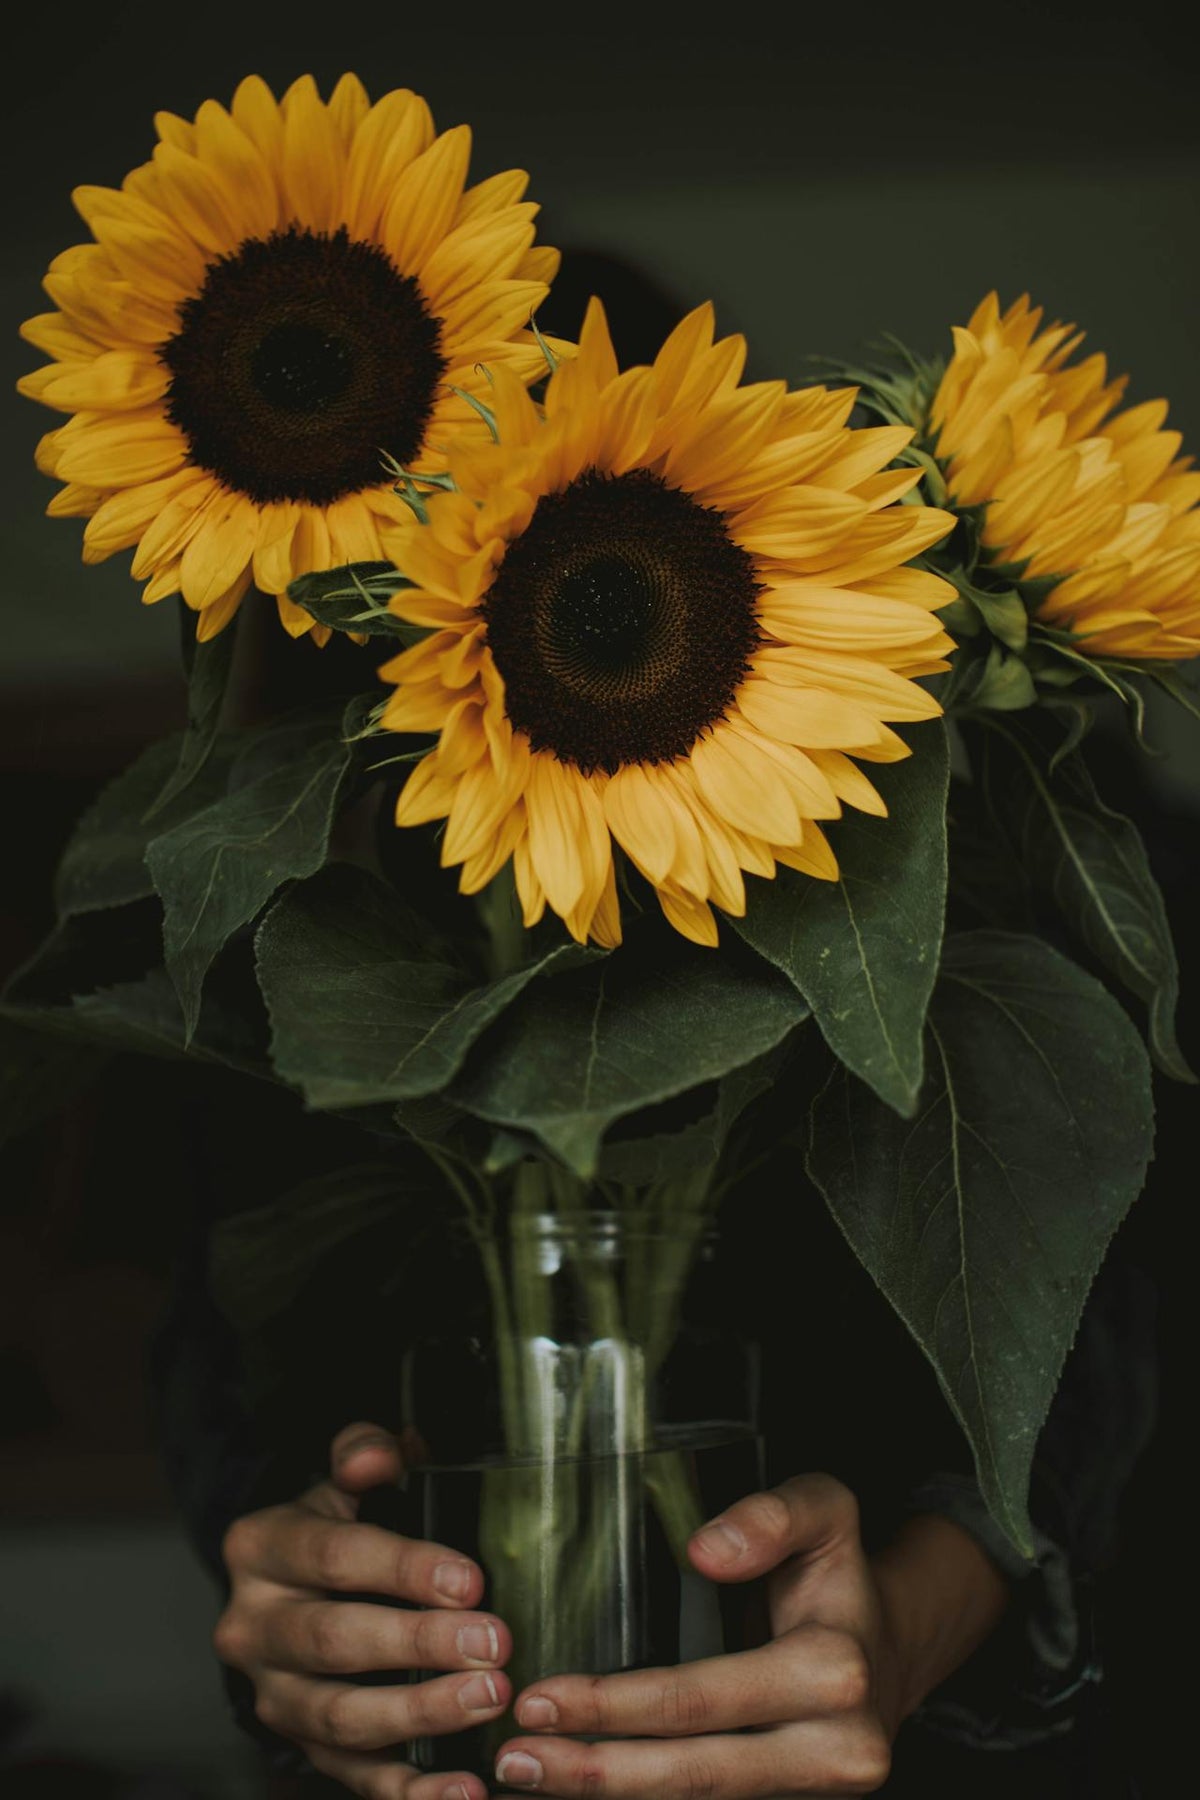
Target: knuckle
230	1639
427	1640
596	1707
768	1516
265	1710
388	1784
406	1566
241	1542
842	1503
695	1779
327	1637
422	1714
684	1708
329	1556
865	1762
339	1718
592	1778
851	1683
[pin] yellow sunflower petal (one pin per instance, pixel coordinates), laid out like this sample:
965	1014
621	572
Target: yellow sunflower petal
425	199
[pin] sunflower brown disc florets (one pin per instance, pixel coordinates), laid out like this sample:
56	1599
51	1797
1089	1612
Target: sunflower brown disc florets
302	357
623	621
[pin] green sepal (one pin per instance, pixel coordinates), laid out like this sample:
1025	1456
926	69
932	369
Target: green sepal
899	391
355	599
987	677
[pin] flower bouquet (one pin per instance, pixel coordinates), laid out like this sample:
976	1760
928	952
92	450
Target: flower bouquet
711	782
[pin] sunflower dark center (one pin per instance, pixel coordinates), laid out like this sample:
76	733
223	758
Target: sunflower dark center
302	359
301	368
623	621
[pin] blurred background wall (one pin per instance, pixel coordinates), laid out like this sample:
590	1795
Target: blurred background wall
822	176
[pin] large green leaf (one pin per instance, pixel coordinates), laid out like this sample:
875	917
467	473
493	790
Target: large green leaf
104	864
654	1019
146	1016
1093	862
653	1147
59	994
366	1006
355	598
984	1218
217	869
208	667
863	951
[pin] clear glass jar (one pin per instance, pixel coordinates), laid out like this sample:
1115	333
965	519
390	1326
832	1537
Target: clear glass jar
574	1452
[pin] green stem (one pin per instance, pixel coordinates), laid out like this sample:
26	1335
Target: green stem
500	912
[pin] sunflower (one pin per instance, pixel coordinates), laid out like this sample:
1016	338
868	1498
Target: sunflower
1096	499
284	293
665	614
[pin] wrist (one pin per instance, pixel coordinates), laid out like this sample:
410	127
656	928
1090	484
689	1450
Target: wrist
941	1597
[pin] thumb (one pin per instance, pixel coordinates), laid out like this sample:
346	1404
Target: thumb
364	1456
810	1516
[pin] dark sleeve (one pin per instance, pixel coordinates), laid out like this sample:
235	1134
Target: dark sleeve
1028	1682
217	1467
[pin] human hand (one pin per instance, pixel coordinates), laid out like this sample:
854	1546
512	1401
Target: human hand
287	1628
856	1644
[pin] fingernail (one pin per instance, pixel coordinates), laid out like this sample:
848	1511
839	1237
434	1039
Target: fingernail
479	1643
460	1791
722	1541
538	1710
480	1694
519	1770
453	1579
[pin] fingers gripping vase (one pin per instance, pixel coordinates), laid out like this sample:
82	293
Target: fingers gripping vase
574	1454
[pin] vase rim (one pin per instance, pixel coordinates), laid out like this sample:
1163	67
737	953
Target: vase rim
601	1222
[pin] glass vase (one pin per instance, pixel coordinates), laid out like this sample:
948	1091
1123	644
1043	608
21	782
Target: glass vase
574	1452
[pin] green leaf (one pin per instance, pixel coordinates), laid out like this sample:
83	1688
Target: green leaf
217	869
636	1154
146	1016
355	598
208	668
651	1020
984	1219
366	1006
57	994
1093	862
863	950
104	864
